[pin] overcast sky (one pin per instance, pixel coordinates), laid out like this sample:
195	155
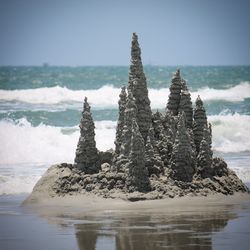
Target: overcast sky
98	32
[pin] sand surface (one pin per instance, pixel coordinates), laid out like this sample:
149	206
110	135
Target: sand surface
82	205
92	223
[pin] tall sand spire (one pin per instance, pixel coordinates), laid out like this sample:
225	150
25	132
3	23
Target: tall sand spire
137	84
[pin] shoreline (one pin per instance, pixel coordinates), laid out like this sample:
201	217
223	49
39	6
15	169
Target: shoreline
81	205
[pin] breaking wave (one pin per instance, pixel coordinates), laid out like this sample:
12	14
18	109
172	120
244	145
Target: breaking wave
107	96
23	143
231	132
26	151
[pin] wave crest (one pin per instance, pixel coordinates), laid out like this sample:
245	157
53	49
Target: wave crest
107	96
231	132
23	143
27	151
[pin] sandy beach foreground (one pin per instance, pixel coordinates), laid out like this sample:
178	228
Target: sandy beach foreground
213	222
77	206
88	222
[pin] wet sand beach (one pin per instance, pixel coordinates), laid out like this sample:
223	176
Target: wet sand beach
214	222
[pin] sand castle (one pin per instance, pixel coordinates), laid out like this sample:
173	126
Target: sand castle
156	155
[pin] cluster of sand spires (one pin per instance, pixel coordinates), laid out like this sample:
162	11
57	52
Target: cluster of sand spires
156	155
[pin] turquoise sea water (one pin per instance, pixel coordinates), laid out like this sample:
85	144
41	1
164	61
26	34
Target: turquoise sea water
93	77
40	108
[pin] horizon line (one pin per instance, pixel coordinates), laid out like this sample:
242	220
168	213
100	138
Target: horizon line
121	65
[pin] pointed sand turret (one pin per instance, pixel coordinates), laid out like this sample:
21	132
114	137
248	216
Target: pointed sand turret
120	123
200	120
86	157
175	93
181	160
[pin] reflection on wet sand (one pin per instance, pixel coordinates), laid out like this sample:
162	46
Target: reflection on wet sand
150	231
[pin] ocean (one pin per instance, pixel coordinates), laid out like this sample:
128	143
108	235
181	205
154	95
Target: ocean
40	109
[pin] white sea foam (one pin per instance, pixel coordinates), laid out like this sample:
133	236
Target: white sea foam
234	94
240	164
107	96
231	132
23	143
27	151
16	184
104	97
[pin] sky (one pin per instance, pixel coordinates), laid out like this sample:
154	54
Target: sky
98	32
